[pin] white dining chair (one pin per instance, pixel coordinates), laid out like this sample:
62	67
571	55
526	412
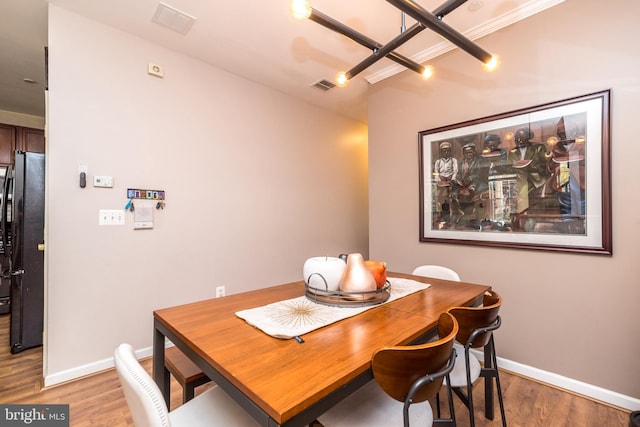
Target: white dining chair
148	409
437	271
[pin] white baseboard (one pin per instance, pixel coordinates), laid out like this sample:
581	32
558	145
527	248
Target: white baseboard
569	384
88	369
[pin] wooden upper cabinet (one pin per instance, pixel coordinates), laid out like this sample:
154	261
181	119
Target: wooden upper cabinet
14	138
31	140
7	144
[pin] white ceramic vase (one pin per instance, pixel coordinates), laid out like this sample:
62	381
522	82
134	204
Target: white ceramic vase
357	277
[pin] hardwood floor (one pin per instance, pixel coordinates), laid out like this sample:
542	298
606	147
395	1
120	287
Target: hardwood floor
98	401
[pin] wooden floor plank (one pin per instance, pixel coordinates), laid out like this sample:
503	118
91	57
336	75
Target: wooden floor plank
98	401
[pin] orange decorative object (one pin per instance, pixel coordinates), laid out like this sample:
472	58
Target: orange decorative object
379	271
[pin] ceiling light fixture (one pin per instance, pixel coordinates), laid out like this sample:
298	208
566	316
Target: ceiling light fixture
300	9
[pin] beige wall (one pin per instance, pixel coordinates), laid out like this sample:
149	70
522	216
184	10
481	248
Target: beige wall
19	119
574	315
256	182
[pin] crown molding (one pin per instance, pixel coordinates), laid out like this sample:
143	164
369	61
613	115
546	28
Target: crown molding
502	21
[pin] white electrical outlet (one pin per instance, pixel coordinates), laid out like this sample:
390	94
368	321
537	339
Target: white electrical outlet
219	291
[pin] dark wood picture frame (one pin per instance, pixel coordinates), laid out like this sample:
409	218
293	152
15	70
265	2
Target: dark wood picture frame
534	178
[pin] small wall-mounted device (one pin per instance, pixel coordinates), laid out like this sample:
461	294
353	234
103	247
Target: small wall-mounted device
103	181
143	216
83	179
155	70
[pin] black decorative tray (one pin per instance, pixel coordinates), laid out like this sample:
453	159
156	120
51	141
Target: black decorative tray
348	299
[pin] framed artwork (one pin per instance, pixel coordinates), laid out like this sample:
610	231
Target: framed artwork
535	178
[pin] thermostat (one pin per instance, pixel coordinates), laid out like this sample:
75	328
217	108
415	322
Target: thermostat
103	181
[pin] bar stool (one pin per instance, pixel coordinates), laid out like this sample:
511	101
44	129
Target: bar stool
404	377
476	331
184	371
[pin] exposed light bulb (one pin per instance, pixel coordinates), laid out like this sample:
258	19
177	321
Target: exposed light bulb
492	64
341	79
300	9
427	73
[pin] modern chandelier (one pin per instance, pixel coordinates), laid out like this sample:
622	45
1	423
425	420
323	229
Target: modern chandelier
300	9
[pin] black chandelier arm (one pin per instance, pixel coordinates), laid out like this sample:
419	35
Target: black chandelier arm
406	62
386	50
330	23
447	7
432	22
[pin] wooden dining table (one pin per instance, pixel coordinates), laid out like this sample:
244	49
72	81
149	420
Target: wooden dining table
288	382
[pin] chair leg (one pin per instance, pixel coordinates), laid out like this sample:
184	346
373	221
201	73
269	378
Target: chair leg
405	414
438	420
489	372
498	387
452	412
469	388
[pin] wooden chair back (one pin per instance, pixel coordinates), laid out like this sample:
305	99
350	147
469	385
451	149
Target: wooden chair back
397	368
472	318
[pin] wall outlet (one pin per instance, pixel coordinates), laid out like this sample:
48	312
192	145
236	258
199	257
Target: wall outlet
219	291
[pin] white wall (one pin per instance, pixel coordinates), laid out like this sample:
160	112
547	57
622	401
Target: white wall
574	315
256	182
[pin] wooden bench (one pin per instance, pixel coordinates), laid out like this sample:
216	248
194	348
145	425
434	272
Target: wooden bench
184	371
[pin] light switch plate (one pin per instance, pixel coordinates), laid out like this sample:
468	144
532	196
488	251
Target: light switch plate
111	217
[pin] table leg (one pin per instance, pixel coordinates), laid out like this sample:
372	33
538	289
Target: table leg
160	372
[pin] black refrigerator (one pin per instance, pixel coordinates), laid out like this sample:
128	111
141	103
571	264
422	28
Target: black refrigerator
5	280
23	241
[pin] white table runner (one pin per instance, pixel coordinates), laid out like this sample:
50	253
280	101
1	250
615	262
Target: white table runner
297	316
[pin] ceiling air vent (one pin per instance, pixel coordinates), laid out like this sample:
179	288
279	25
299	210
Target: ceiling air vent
173	19
324	85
